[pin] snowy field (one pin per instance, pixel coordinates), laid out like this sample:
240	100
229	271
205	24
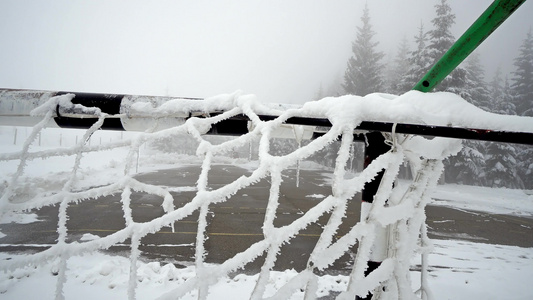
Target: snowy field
458	269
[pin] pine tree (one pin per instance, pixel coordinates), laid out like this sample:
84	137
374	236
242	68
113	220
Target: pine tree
400	67
475	89
469	164
364	71
441	40
507	106
502	164
465	168
523	78
501	95
389	74
525	165
522	88
419	62
496	90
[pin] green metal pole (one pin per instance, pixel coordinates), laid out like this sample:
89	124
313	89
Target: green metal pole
493	16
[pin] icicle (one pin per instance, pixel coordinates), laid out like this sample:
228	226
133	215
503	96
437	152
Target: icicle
352	156
298	131
250	149
298	171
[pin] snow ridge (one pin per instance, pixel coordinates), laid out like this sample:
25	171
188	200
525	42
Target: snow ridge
402	213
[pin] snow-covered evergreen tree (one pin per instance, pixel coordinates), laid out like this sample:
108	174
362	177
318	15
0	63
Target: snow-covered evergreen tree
468	167
523	78
441	39
464	168
501	95
496	90
475	88
502	164
522	88
399	68
525	165
419	62
364	71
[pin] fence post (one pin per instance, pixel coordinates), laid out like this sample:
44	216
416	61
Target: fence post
374	147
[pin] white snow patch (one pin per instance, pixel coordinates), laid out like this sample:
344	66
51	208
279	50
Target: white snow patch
458	270
484	199
317	196
88	237
466	270
20	218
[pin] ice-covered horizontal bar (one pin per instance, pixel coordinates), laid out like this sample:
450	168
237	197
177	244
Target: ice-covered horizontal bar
138	113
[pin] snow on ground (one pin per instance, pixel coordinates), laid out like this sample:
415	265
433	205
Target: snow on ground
466	270
490	200
458	269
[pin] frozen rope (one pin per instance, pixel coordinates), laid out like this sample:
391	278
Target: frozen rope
403	213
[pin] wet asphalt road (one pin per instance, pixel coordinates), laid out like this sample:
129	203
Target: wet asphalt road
236	224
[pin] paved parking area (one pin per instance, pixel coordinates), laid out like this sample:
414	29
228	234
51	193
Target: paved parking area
236	224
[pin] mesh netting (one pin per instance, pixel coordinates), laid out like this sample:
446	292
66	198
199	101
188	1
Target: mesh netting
400	211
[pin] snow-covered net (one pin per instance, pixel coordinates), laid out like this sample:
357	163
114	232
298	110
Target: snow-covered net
399	211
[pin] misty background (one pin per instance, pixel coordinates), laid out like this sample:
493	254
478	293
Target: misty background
282	51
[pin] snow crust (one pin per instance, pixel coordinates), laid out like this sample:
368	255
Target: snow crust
400	209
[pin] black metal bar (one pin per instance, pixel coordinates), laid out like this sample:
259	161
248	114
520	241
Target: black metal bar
525	138
108	103
237	125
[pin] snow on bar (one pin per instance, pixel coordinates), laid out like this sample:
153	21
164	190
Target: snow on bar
436	114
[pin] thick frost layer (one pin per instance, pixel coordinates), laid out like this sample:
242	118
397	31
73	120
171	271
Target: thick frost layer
402	212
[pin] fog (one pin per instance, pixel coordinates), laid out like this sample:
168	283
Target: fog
282	51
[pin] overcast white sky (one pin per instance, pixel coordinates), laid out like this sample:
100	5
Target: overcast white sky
280	50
